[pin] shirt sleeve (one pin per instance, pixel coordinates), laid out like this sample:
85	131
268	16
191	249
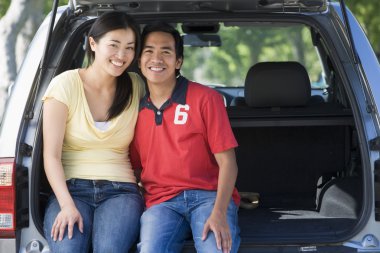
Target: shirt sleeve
59	89
219	132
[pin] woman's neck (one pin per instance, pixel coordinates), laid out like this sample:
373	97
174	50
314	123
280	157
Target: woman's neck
97	79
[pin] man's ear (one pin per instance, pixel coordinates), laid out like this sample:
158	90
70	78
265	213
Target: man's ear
178	63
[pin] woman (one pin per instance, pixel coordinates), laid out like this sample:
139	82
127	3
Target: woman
88	123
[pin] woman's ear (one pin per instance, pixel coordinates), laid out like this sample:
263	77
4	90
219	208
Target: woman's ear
92	43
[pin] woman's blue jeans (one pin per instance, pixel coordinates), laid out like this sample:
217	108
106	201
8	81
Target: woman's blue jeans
111	217
166	226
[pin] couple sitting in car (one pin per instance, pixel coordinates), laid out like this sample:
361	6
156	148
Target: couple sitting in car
177	135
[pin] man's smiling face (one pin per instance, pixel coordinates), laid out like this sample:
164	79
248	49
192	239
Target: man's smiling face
158	61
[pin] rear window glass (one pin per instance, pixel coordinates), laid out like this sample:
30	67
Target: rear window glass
243	45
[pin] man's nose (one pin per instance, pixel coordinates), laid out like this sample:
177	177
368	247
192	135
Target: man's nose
157	57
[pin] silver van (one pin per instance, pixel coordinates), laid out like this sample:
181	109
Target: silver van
301	85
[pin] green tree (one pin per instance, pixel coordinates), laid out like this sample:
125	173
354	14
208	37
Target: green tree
367	13
4	4
252	45
19	20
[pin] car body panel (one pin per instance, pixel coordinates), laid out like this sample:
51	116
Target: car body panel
167	6
363	78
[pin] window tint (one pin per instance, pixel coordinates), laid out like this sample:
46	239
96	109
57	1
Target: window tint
243	45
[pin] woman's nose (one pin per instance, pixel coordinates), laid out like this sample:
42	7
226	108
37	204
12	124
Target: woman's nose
121	53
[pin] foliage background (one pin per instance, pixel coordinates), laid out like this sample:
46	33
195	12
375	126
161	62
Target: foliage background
368	14
4	4
366	11
253	44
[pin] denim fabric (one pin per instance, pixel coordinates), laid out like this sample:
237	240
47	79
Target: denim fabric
166	226
111	215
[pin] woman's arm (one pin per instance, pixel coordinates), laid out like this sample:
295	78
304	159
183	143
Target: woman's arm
54	124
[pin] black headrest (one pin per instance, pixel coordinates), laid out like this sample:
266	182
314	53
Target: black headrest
277	84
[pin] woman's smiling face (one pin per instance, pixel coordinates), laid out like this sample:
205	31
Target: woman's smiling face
114	51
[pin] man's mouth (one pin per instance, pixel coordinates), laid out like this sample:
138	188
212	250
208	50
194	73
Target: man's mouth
156	69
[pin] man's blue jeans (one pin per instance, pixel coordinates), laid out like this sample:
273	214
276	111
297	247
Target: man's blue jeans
166	226
111	217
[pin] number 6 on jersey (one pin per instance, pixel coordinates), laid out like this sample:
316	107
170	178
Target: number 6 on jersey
180	116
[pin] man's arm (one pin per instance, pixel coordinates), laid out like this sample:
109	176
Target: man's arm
136	164
217	222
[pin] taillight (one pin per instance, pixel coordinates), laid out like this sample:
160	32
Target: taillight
7	198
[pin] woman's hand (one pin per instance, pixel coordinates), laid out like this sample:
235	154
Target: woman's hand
68	216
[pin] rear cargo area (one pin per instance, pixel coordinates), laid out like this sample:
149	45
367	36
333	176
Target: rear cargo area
306	170
304	163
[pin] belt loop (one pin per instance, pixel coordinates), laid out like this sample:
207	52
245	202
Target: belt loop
72	181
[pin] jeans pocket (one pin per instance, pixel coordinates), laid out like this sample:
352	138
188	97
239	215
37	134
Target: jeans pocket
80	188
76	183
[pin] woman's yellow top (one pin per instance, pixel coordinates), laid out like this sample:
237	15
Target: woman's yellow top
88	152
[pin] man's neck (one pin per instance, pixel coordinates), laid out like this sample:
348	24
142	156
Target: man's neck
159	94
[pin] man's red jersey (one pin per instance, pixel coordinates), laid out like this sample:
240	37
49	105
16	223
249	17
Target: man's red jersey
175	144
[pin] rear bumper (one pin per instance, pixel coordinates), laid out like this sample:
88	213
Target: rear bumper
8	245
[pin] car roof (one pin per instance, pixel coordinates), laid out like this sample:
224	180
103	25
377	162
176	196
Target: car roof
93	7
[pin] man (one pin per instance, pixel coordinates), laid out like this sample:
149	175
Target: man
185	147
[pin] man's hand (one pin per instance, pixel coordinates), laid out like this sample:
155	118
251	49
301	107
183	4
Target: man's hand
217	223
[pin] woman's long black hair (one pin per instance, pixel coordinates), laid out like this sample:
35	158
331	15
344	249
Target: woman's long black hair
107	22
